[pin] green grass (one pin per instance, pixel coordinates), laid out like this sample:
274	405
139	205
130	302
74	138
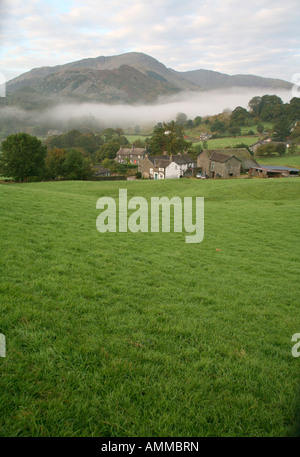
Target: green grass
221	143
123	334
286	161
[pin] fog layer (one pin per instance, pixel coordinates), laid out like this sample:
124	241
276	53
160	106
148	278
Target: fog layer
165	109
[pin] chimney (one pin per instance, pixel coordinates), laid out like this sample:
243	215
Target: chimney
165	153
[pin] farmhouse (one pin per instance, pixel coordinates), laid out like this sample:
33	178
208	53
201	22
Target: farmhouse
215	164
165	166
133	155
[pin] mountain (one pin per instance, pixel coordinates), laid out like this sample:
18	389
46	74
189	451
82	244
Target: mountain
127	78
211	80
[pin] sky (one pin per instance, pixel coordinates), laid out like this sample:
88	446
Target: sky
260	37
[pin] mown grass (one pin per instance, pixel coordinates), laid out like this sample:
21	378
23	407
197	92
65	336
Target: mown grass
124	334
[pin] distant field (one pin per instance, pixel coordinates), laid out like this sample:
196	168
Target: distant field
221	143
133	138
287	161
124	334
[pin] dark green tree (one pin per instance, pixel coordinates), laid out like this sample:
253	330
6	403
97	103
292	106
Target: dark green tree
239	116
218	126
271	107
281	129
76	165
255	105
22	156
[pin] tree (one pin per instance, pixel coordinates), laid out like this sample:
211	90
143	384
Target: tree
76	165
234	130
22	156
55	162
255	105
181	118
197	121
271	107
292	109
218	126
239	116
168	137
260	127
282	129
271	149
108	150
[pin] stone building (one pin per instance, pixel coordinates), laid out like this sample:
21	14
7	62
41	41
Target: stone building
218	165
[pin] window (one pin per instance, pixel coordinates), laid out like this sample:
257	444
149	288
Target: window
213	165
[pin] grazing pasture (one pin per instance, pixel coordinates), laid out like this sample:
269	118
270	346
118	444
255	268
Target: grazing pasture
142	334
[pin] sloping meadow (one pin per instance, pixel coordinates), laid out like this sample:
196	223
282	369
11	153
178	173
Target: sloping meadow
143	334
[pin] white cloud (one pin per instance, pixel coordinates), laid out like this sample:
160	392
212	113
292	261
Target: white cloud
258	37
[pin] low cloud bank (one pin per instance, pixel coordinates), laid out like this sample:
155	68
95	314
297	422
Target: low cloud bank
165	109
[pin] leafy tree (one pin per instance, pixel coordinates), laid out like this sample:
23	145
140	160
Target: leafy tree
239	116
55	162
292	110
108	150
76	165
197	121
281	129
234	130
271	149
195	151
22	156
271	107
139	143
87	142
260	127
255	105
189	124
218	126
295	133
169	137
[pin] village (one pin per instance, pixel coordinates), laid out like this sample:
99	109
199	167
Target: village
210	163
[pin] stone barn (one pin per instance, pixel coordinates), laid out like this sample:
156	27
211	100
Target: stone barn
218	165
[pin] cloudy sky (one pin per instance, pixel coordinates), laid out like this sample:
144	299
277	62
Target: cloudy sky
259	37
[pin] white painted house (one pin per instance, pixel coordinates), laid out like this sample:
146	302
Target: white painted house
178	166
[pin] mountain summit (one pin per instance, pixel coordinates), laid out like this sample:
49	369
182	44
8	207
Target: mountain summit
127	78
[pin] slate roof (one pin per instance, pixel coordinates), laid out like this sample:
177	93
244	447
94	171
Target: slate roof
277	168
240	153
127	151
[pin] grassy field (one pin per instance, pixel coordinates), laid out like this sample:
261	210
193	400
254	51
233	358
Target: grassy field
124	334
286	161
221	143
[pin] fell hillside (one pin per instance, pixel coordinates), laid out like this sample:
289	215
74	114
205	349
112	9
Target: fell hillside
127	78
124	84
211	80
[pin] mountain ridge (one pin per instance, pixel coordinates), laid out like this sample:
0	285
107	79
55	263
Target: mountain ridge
128	78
